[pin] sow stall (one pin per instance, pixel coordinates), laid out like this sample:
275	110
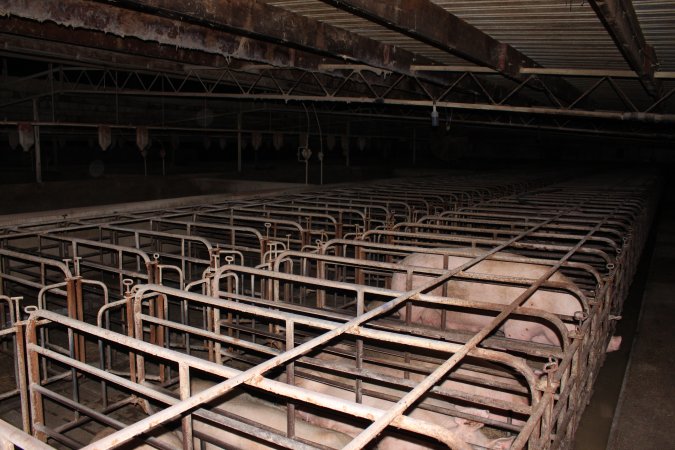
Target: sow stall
325	333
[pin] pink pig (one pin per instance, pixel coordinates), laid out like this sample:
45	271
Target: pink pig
467	430
550	301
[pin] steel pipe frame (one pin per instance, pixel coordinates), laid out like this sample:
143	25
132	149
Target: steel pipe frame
364	248
518	219
142	292
646	116
360	290
315	223
379	425
418	391
444	220
429	271
260	349
278	225
234	378
424	228
146	273
42	263
184	257
342	219
350	198
11	328
438	100
368	213
438	240
444	300
11	437
192	229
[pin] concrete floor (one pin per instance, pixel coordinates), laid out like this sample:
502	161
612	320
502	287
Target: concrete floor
645	414
632	405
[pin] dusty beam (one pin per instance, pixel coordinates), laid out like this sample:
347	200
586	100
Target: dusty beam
55	42
621	22
260	21
432	24
427	22
80	15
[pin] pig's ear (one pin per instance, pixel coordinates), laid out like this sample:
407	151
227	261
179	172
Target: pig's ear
501	444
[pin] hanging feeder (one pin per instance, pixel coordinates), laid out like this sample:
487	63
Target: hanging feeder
142	139
26	136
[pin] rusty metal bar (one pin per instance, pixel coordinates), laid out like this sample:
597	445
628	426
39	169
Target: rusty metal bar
622	24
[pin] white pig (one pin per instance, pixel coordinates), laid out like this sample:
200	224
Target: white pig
549	301
467	430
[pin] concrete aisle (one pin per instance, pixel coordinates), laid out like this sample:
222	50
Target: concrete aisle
645	415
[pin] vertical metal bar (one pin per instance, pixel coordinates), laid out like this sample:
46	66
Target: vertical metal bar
130	329
79	304
22	382
37	412
71	306
185	392
290	379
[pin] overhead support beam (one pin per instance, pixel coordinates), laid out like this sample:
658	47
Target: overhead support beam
427	22
55	43
558	71
432	24
265	23
621	22
647	117
84	17
233	29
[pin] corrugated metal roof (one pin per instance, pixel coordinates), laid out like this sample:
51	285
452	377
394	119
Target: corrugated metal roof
554	33
657	18
322	12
